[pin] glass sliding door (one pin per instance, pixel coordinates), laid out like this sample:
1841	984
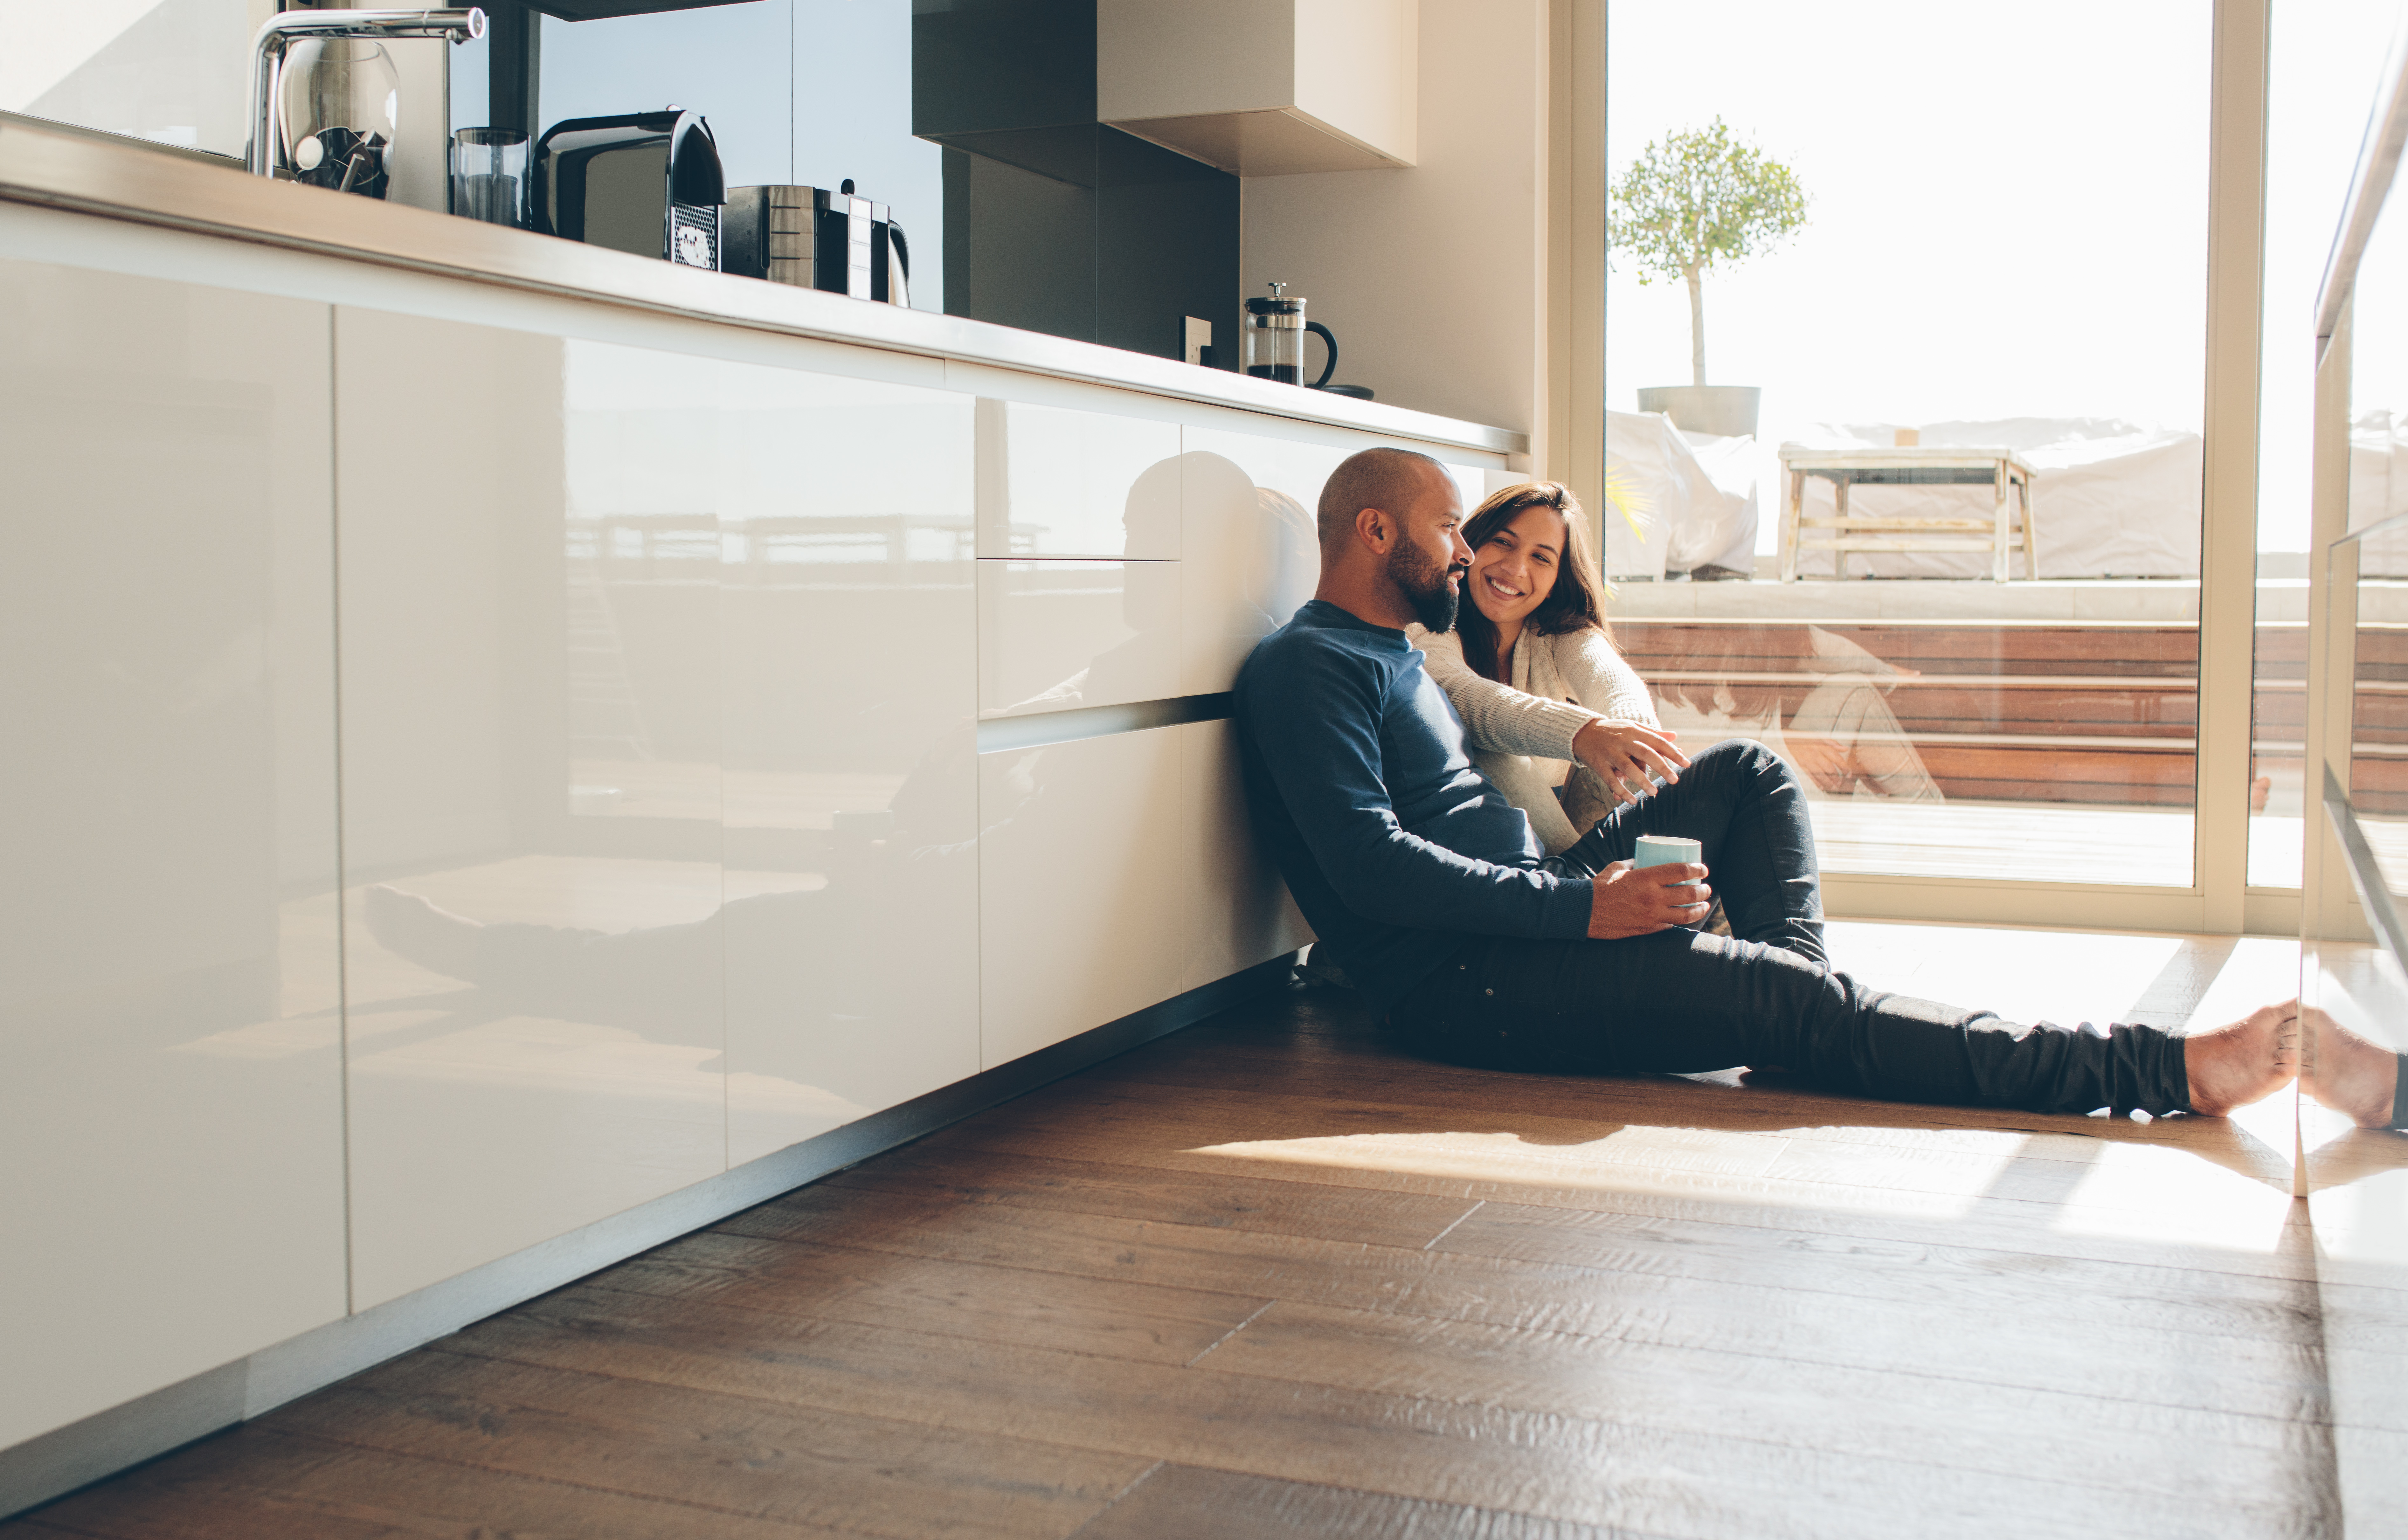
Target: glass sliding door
2354	871
2323	61
1941	546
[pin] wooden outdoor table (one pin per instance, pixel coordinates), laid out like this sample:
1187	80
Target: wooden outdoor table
1935	466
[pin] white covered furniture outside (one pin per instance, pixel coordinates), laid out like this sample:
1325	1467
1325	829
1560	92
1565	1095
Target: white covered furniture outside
1692	498
2123	500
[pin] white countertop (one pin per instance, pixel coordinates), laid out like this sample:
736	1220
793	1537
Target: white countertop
61	168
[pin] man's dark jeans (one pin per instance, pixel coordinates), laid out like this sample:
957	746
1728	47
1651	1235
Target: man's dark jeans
1679	1001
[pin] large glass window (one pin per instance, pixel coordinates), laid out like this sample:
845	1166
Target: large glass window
1980	357
2322	72
2369	643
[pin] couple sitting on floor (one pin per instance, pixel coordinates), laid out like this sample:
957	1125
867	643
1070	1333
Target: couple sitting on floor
1459	835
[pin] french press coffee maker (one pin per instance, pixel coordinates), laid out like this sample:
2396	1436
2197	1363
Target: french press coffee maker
1274	332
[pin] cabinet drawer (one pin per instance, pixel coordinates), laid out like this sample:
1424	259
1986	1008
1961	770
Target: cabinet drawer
1083	887
1055	636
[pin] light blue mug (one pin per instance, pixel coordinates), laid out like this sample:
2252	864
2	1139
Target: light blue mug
1668	850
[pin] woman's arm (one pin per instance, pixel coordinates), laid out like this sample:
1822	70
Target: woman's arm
1627	747
1497	717
1602	679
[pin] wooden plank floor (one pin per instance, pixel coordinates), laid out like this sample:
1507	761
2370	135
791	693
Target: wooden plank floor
1268	1277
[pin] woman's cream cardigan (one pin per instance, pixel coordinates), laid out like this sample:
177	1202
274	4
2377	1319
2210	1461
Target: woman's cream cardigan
1522	735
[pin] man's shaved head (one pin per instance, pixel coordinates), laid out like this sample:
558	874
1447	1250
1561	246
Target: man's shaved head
1385	478
1391	543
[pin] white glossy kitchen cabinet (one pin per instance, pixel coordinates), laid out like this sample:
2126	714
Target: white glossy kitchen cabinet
531	788
1054	636
170	1094
1239	910
1250	554
1083	887
848	636
1058	481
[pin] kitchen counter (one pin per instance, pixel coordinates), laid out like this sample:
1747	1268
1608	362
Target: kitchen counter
521	751
88	174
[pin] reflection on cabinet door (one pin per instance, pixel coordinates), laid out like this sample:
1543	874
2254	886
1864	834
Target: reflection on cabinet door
1054	481
1240	911
848	637
2357	1201
531	791
1083	888
170	1092
1252	557
1250	554
1055	636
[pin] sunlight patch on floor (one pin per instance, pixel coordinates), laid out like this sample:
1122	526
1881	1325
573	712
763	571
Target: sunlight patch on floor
2142	1192
1708	1164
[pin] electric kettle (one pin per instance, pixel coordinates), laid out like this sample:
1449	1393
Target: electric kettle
817	240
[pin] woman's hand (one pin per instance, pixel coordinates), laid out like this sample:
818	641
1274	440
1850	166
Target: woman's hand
1626	756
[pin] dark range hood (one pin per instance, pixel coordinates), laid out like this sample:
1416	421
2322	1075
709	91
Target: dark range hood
1055	221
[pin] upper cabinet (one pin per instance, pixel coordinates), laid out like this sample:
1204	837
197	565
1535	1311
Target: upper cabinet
1263	88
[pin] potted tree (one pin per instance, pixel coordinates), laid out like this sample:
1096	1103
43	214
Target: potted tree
1696	199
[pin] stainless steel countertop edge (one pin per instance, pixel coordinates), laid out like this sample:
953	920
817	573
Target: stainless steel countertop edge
75	173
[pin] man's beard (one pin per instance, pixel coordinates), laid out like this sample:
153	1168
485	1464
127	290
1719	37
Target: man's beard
1423	580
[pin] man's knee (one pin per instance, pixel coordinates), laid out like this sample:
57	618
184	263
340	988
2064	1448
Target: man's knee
1743	760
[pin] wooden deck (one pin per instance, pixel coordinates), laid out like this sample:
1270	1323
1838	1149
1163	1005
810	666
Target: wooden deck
2100	713
1267	1277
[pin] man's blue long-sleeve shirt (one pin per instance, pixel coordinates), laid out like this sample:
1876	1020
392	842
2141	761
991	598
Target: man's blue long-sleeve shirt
1362	788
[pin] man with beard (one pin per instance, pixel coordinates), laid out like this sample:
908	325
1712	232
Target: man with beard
1430	887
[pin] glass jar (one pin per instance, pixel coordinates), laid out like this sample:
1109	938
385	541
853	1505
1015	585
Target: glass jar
489	177
338	103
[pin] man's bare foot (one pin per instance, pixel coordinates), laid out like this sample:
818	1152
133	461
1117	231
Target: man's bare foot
2355	1078
2247	1062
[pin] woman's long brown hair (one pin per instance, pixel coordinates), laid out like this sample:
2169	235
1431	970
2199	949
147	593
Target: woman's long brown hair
1576	603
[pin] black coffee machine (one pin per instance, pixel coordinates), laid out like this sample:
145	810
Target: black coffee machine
644	183
818	239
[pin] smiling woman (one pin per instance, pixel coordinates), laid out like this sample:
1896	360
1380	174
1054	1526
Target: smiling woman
1532	668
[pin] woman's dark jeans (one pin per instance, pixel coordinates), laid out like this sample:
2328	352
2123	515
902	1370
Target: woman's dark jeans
1680	1002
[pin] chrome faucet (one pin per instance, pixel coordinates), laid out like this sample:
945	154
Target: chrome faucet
279	31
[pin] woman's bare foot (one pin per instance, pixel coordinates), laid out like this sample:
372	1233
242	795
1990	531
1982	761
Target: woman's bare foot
2246	1062
2346	1073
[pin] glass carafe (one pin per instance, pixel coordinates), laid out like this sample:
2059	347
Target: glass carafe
338	102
